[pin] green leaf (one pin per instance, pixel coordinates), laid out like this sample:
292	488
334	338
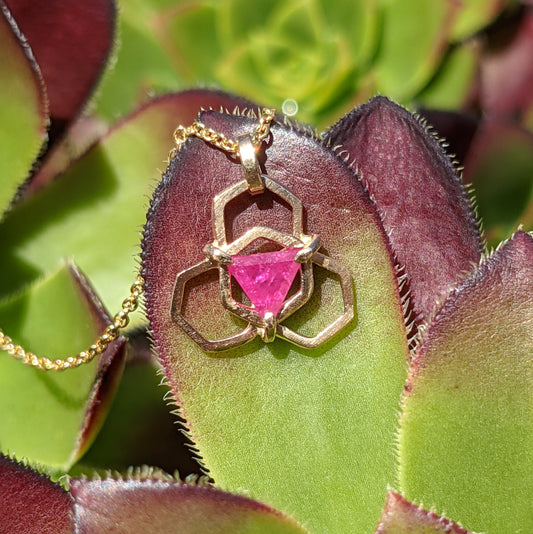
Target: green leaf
24	109
310	432
415	36
402	517
94	211
475	14
142	66
466	432
50	417
454	79
161	507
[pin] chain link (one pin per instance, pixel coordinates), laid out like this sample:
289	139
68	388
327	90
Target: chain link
219	140
110	334
130	304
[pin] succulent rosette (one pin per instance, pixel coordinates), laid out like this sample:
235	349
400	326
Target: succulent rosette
416	417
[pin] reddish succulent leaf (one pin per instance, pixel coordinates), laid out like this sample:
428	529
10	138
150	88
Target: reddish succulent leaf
110	366
30	503
71	41
465	429
265	400
416	188
506	76
402	517
162	507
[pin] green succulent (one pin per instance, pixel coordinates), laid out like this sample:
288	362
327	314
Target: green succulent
415	418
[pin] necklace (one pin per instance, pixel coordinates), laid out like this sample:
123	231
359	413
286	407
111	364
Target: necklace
262	288
264	280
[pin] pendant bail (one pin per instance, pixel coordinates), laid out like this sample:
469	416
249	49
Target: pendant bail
250	165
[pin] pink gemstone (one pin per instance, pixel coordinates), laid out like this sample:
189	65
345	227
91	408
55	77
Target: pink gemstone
266	278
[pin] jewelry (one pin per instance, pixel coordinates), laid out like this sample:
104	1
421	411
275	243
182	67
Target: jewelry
266	278
110	334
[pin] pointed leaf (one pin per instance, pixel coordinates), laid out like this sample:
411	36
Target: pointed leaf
93	212
307	431
46	416
24	111
466	432
416	188
72	43
403	517
31	503
161	507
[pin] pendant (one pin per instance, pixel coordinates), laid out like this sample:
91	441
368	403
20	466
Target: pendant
264	298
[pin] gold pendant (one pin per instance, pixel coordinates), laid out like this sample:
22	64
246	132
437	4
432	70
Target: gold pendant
264	278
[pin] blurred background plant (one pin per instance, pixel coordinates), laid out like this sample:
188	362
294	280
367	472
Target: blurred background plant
88	108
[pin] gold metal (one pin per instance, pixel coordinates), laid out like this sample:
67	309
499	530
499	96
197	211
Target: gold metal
219	140
220	252
130	304
338	324
308	251
250	165
268	331
110	334
176	313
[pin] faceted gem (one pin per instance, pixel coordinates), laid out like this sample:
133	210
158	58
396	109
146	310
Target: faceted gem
266	278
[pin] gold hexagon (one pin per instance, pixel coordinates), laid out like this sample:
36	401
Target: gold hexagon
176	313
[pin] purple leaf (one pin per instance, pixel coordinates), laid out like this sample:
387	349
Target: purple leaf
165	507
110	366
353	378
30	503
71	41
421	199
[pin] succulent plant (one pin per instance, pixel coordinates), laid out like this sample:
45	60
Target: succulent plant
415	418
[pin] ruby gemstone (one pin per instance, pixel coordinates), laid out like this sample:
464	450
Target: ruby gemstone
266	278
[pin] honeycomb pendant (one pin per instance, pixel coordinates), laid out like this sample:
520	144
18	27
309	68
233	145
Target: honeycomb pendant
265	278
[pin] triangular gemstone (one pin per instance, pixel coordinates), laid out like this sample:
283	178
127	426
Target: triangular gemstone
266	278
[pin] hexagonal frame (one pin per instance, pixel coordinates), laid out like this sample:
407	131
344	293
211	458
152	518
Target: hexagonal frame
176	313
336	326
256	324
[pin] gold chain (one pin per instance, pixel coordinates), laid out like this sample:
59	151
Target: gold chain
109	335
219	140
130	304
